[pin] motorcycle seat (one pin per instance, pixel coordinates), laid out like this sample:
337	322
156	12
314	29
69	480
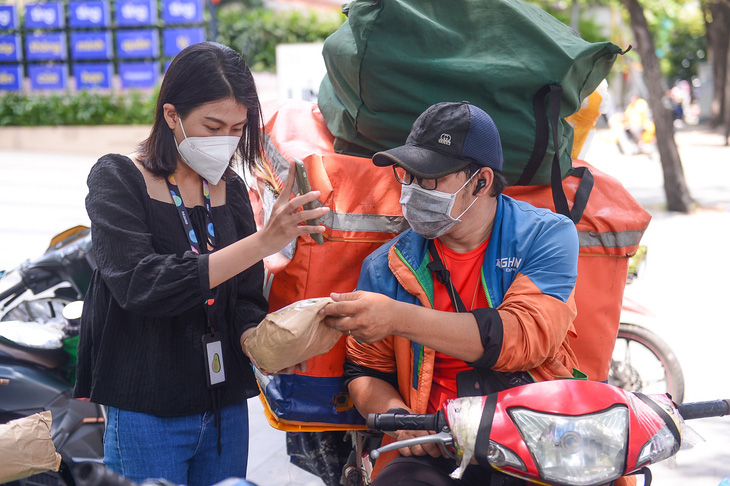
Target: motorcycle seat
48	358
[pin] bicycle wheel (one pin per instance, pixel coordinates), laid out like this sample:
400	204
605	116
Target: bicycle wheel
643	362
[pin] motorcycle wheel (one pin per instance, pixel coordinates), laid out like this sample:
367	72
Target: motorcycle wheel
643	362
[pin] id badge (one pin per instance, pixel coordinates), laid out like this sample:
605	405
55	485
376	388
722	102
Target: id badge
216	372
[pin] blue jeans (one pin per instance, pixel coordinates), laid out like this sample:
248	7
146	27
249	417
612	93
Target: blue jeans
183	450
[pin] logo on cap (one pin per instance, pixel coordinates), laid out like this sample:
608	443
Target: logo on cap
445	139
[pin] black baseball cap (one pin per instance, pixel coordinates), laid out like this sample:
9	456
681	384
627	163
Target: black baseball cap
445	139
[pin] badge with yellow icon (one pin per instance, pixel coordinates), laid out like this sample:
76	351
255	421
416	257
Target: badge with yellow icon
214	359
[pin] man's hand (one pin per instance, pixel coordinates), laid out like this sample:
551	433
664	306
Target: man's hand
367	316
432	449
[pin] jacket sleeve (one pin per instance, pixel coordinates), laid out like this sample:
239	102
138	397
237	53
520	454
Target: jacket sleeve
530	326
140	279
377	359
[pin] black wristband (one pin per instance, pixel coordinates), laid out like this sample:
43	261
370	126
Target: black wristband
491	332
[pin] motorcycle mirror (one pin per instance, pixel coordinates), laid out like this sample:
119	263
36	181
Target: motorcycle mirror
72	311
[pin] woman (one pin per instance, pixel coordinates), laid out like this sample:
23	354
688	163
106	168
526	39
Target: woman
179	281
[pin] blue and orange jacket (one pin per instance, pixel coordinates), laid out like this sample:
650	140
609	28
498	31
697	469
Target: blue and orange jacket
528	276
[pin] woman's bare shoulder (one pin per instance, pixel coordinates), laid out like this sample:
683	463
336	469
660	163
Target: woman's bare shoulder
156	186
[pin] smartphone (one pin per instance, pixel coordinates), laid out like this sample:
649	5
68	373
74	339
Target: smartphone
303	184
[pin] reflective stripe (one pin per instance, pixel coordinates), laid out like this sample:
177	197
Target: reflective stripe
379	223
375	223
280	164
610	239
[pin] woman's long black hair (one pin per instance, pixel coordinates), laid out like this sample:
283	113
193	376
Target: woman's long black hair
199	74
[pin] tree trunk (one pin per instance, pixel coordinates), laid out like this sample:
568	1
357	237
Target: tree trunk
727	100
675	186
575	16
717	24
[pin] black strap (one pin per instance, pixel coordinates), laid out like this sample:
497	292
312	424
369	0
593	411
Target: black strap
542	119
647	475
444	277
481	445
585	186
671	425
541	137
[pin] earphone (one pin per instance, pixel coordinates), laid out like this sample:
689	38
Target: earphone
480	185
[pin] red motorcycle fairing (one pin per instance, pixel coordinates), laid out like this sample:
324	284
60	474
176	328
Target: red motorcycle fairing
567	398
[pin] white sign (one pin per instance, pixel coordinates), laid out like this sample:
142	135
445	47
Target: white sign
299	71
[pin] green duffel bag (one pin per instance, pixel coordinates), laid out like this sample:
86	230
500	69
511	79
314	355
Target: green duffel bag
392	59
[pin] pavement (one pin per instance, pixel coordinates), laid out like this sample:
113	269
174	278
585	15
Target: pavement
684	282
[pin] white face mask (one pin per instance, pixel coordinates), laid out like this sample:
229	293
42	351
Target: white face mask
208	156
429	212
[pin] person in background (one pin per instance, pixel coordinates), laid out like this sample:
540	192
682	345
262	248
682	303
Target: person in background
179	277
477	297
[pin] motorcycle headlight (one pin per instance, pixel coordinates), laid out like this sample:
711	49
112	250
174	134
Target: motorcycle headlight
659	447
500	456
581	450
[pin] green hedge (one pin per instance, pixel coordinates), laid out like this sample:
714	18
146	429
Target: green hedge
82	108
256	32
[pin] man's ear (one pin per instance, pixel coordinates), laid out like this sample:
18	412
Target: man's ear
484	180
171	116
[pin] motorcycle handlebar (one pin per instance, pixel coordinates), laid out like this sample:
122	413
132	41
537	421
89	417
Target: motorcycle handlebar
406	421
402	421
695	410
14	290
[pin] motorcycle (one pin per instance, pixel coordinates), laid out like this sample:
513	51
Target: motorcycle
37	290
642	361
560	433
37	363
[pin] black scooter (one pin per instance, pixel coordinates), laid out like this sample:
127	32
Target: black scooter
37	362
37	290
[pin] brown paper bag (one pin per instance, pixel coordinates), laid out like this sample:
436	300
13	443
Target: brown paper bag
291	335
26	447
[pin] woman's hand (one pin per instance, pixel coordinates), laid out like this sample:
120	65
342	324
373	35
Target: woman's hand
285	222
284	225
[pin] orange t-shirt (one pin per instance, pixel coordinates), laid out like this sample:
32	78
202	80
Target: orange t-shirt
465	269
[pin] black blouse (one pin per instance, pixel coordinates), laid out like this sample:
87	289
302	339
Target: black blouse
140	347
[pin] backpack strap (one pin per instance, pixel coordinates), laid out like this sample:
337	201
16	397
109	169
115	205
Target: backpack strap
544	123
541	135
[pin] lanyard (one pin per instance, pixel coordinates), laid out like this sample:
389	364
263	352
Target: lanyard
177	199
190	232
